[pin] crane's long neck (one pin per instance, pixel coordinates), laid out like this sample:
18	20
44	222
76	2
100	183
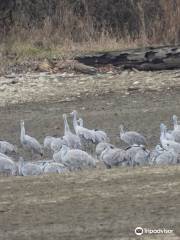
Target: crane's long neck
66	126
163	135
175	123
121	130
22	132
75	123
81	122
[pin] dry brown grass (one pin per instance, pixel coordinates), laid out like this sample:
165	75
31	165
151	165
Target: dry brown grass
68	34
98	204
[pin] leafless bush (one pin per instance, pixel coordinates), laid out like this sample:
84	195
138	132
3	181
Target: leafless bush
75	25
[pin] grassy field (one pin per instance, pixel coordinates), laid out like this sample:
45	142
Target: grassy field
99	204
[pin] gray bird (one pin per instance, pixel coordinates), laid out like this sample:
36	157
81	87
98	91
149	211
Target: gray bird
131	137
131	153
47	142
76	159
166	158
175	122
141	158
101	146
7	165
56	144
100	136
42	163
54	167
168	144
28	168
57	156
113	157
70	139
85	134
7	148
155	153
175	133
30	143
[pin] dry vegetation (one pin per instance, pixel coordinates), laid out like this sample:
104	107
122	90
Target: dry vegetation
91	205
64	28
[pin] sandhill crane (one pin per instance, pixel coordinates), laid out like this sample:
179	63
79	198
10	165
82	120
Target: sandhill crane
7	165
54	167
175	122
131	137
53	143
81	131
30	143
101	146
175	133
155	153
84	133
142	157
57	156
168	144
100	136
56	144
70	139
137	155
166	157
113	157
76	159
7	148
88	137
47	142
28	168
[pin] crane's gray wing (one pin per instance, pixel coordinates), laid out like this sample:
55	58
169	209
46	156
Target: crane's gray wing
165	158
131	152
176	135
47	142
133	138
100	136
102	146
30	169
114	157
138	138
57	157
6	164
6	147
73	141
33	143
86	134
55	168
78	159
141	158
56	144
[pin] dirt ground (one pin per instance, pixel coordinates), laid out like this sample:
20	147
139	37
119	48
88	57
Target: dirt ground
100	204
96	204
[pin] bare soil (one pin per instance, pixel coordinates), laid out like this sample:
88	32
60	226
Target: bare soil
100	204
96	204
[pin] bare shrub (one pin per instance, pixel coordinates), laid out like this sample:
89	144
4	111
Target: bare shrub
64	27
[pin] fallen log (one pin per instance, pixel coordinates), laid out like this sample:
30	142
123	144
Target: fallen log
150	58
75	66
65	65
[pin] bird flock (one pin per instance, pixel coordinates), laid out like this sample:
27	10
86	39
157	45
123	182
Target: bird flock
85	148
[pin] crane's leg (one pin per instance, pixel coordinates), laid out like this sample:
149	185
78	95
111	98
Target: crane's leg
92	147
